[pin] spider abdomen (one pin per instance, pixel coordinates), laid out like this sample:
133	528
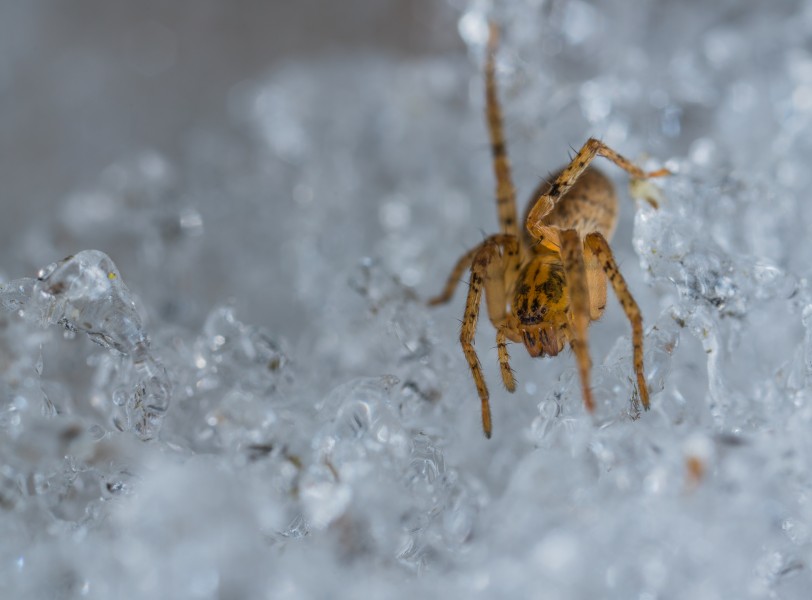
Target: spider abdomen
590	205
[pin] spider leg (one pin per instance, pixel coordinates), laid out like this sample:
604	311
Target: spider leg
566	179
507	241
505	191
481	269
499	277
597	244
572	254
504	360
454	277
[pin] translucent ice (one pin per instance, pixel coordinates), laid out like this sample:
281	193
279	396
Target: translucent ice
85	293
305	426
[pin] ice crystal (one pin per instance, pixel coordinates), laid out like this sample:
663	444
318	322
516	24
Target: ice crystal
259	403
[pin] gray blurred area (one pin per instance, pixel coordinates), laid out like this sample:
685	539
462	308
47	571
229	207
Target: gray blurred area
86	82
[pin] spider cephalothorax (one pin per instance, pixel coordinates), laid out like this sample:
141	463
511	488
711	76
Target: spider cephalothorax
545	284
540	301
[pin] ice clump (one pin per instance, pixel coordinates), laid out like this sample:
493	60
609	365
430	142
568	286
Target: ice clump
323	437
84	293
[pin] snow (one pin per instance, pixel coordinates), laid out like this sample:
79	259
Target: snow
270	410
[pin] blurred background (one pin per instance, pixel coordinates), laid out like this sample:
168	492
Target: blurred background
83	83
88	84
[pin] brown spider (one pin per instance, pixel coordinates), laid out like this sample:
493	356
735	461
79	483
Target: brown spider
544	285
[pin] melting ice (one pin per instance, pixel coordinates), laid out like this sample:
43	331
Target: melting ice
194	452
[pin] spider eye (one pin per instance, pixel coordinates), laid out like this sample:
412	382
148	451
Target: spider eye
532	313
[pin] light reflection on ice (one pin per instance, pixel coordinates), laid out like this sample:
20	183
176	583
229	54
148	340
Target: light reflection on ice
348	461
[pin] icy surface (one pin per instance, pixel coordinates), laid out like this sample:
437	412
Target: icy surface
157	443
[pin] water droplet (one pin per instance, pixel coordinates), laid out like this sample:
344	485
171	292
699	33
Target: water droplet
703	151
596	104
473	28
120	397
395	214
191	221
580	21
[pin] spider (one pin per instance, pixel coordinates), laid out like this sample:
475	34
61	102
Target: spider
544	285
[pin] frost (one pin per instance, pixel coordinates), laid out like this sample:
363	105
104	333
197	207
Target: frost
259	404
84	293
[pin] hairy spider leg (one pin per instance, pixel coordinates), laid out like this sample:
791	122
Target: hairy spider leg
464	262
504	359
549	235
572	255
597	245
479	273
456	275
505	207
486	272
487	261
505	190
